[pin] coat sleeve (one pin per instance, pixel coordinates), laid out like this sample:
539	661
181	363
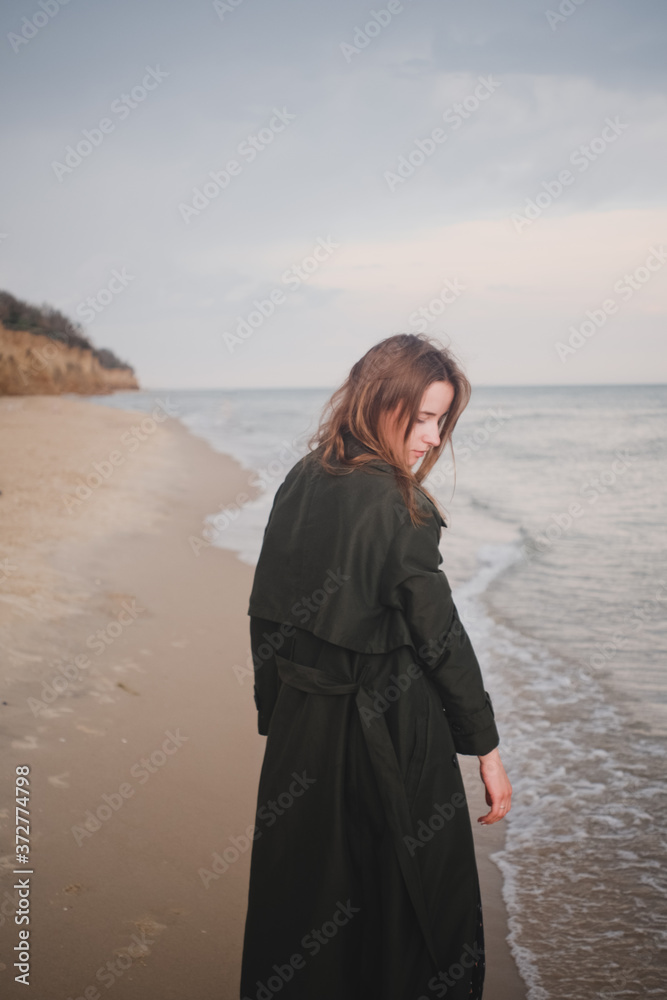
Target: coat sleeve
413	584
266	678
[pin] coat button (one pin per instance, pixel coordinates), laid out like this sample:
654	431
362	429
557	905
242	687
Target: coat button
455	760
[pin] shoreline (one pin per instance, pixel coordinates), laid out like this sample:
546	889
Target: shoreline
146	763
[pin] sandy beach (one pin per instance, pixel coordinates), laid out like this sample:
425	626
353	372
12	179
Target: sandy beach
127	692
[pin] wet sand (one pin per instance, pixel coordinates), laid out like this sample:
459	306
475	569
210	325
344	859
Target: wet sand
126	691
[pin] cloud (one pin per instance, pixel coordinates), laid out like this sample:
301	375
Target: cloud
547	110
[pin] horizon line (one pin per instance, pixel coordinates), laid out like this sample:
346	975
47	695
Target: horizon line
487	385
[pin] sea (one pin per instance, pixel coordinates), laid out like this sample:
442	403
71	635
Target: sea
556	506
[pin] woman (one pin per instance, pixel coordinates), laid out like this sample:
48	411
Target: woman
363	881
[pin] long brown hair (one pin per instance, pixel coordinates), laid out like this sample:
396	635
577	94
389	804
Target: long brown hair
391	378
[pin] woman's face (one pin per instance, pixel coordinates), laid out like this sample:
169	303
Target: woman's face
425	434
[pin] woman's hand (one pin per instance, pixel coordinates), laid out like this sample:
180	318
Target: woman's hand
498	788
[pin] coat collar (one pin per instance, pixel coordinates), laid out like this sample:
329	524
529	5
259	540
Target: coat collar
354	447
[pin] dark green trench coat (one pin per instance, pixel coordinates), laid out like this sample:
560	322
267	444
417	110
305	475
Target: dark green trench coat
363	882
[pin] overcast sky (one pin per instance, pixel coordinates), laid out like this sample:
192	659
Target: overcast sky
489	173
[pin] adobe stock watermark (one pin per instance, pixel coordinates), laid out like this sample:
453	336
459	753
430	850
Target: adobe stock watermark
98	641
312	942
103	469
432	650
454	116
582	157
217	523
378	20
121	108
248	150
468	446
398	685
442	981
89	308
116	967
625	287
565	9
427	829
261	479
292	278
302	610
268	814
112	802
31	26
435	307
274	641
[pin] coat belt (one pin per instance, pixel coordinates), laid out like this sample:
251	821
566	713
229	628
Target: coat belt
387	771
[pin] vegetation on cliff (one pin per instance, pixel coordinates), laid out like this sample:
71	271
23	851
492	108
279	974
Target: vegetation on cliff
42	351
18	315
